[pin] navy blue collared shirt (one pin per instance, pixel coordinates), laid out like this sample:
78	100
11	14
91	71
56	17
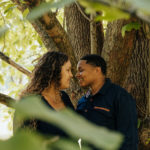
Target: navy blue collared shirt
114	108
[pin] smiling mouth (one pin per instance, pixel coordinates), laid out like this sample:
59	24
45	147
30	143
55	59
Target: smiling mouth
80	80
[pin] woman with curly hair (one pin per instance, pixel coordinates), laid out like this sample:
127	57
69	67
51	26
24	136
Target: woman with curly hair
51	75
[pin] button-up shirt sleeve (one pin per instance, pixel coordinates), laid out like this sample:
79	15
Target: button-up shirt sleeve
126	120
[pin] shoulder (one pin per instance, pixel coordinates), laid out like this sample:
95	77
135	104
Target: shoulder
122	96
119	90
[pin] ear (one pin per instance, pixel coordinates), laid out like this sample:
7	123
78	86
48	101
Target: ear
98	70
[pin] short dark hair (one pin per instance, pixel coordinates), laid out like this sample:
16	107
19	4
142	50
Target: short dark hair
95	60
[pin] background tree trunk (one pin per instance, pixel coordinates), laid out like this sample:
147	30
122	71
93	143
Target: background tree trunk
78	30
128	61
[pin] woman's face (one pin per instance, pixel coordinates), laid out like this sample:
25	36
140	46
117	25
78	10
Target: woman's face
66	75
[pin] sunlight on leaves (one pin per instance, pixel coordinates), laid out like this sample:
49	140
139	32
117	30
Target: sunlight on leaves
1	79
6	121
25	13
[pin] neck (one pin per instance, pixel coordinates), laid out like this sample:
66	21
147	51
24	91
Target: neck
51	94
97	85
53	97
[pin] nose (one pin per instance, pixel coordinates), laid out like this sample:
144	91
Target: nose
71	75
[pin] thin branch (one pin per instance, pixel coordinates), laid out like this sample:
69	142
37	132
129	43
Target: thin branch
142	110
14	64
93	34
83	14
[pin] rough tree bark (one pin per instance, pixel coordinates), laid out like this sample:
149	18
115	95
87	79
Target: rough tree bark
128	61
78	29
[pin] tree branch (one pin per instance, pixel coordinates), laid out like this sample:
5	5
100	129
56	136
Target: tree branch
15	65
93	35
47	40
50	30
81	11
7	100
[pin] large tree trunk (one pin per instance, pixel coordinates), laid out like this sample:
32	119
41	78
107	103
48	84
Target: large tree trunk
128	61
78	29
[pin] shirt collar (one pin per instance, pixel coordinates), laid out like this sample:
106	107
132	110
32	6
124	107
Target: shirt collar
105	87
103	90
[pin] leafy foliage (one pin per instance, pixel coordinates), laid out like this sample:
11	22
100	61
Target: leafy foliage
129	27
21	43
6	121
74	125
136	7
108	13
23	140
3	30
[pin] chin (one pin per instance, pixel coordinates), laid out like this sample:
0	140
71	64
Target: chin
82	85
66	87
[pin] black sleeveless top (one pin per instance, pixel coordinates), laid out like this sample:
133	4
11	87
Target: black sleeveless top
47	128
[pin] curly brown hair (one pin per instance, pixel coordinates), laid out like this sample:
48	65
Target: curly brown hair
47	69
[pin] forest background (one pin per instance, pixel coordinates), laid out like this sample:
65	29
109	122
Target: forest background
118	30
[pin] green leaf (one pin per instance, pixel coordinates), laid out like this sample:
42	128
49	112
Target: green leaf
3	30
3	4
109	13
4	64
1	79
45	7
65	144
74	125
25	13
23	140
129	27
9	7
139	123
